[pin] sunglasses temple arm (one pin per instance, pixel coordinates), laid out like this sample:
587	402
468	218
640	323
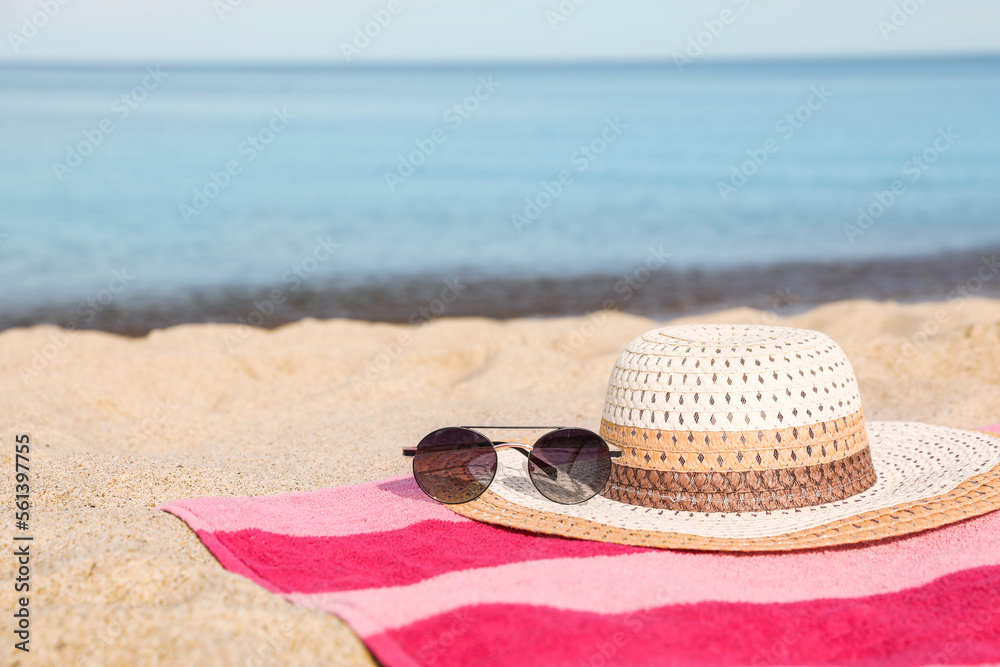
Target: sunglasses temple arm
411	451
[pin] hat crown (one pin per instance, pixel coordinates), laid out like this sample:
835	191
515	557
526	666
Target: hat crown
735	418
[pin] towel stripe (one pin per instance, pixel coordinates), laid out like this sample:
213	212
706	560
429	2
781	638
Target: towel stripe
954	620
467	551
397	557
340	510
637	580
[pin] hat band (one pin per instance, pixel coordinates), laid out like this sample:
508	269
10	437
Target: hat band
706	451
742	491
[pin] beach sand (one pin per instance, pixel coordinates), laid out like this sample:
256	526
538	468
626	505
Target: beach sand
121	425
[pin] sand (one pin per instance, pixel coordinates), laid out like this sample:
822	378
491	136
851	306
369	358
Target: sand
121	425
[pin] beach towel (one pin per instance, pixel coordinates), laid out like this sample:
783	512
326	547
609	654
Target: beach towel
422	585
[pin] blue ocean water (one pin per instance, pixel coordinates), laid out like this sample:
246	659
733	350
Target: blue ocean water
722	165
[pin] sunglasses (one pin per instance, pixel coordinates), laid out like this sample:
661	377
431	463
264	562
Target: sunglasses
456	464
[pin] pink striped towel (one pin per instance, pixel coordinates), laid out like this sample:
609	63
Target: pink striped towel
423	586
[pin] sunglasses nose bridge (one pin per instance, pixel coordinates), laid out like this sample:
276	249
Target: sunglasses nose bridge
520	447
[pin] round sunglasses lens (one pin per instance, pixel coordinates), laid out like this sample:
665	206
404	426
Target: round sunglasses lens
454	465
570	465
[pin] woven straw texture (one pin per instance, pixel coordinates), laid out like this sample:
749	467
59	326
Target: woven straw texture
740	437
735	419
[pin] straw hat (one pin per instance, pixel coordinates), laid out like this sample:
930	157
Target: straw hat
753	438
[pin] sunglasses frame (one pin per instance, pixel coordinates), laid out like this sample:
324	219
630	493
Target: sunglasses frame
410	452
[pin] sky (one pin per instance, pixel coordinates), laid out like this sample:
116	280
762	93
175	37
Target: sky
332	31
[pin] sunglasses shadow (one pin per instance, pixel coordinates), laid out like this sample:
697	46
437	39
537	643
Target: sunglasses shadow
405	487
513	475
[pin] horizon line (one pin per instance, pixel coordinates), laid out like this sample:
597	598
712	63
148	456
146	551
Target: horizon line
567	62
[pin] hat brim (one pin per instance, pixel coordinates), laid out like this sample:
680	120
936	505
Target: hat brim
928	476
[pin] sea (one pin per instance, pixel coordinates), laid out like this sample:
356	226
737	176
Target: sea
139	196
